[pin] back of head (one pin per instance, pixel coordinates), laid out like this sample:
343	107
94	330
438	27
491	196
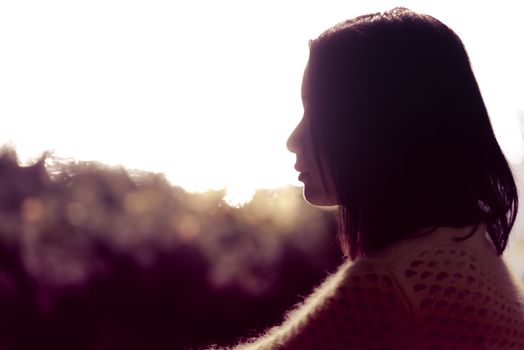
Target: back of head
398	119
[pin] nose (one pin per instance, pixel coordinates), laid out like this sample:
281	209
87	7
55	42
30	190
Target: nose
294	140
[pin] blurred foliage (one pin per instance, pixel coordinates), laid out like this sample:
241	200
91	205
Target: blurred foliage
97	257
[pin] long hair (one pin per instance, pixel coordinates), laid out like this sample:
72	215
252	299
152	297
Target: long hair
397	117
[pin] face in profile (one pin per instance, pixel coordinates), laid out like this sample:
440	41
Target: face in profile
316	192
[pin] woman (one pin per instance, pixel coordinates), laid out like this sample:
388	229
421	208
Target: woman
395	133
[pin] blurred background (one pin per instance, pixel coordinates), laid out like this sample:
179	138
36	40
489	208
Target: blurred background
165	212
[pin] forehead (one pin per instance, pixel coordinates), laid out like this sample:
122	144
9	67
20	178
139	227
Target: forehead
305	83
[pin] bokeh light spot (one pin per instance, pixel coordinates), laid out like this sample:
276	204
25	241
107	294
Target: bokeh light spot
32	210
76	213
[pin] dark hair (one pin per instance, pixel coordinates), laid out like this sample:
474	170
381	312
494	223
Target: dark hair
397	117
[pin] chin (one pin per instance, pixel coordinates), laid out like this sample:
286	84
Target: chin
318	198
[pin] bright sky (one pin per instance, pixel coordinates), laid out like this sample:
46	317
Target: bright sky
205	91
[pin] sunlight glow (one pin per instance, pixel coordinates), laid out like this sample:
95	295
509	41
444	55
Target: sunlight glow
205	92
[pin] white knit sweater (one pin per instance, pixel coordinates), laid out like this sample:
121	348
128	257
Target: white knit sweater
428	292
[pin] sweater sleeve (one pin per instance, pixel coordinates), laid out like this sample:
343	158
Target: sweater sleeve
360	307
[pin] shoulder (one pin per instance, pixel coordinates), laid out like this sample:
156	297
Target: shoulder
360	306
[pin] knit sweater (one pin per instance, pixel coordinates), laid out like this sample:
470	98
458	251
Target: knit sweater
429	292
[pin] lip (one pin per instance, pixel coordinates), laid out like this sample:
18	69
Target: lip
303	176
300	168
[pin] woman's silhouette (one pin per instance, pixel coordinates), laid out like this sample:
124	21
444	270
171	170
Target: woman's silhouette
395	133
